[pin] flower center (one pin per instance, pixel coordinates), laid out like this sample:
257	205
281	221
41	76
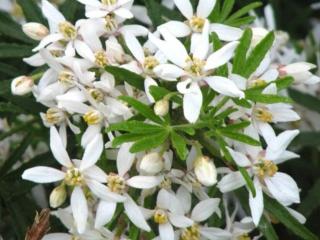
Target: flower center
110	23
197	23
96	94
55	115
160	217
150	63
101	59
191	233
109	2
258	83
195	66
166	183
92	117
17	11
74	177
75	237
67	78
116	183
244	237
266	168
263	114
68	31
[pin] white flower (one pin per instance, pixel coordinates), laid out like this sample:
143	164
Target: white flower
205	171
196	21
152	163
75	174
194	69
22	85
300	71
263	166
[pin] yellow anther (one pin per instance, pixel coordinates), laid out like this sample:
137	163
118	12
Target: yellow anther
266	168
55	115
101	59
195	66
263	114
244	237
197	23
68	31
150	63
109	2
92	117
67	78
160	217
74	177
111	23
96	94
191	233
116	183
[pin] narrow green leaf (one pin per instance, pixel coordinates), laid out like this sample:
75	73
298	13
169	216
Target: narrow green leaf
179	145
154	12
11	50
31	11
222	70
240	55
9	70
240	137
159	93
284	83
248	180
226	9
242	102
134	127
312	200
306	100
69	9
267	229
125	75
129	137
266	98
243	11
258	54
150	142
239	22
237	126
142	108
10	108
282	214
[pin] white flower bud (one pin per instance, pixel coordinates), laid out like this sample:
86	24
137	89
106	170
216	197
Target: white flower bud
257	35
21	85
35	31
205	171
58	196
161	108
152	163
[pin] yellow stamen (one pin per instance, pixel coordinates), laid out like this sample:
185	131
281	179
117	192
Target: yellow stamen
68	31
197	23
116	184
92	117
191	233
109	2
263	114
110	23
101	59
67	78
266	168
195	66
74	177
160	217
244	237
150	63
96	94
55	115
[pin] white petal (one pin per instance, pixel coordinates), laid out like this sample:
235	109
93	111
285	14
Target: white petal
231	181
43	175
103	192
202	49
105	212
47	40
240	159
148	82
192	103
166	231
51	13
89	134
55	236
125	159
204	209
256	204
123	13
144	182
224	86
177	29
212	233
168	72
79	209
180	221
134	47
95	173
84	51
225	32
297	215
184	197
167	200
298	67
135	214
205	7
221	56
57	148
35	60
92	152
184	7
283	188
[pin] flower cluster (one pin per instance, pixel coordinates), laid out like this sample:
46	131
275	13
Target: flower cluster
140	102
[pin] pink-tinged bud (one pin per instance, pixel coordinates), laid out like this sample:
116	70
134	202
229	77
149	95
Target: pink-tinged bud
35	31
22	85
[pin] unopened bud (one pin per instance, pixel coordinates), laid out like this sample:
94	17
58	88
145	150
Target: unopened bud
21	85
205	171
152	163
161	108
35	31
58	196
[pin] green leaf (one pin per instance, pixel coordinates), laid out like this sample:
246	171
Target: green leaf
11	29
9	107
129	137
306	100
154	12
242	102
258	54
159	93
69	9
150	142
243	11
222	70
125	75
9	70
282	214
248	180
284	83
240	55
266	98
312	200
179	145
226	9
11	50
240	137
31	11
134	127
239	22
142	108
267	229
237	126
305	139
